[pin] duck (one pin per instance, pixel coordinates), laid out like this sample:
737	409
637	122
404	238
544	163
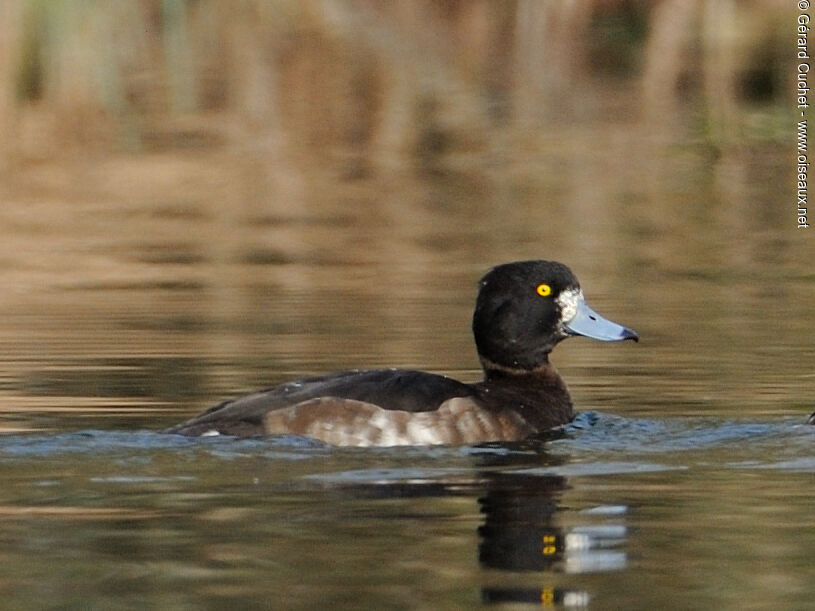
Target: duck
523	310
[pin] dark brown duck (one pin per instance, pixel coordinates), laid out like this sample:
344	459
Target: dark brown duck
523	310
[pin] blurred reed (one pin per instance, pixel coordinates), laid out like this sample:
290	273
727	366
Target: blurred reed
425	77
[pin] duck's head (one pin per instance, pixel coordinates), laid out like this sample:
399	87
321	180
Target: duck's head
525	308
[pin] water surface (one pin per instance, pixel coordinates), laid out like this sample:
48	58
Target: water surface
617	512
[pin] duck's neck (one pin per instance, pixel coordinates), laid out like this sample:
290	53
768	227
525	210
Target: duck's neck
540	395
544	377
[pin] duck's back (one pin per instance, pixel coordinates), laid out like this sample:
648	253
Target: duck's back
347	408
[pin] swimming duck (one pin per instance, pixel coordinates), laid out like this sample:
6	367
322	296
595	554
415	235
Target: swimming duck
522	311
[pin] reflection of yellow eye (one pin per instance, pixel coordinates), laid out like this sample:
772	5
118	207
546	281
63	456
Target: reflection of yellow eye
544	290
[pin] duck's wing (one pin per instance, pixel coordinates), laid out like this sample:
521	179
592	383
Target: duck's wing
353	401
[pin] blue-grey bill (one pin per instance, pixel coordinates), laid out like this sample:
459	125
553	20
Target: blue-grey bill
589	323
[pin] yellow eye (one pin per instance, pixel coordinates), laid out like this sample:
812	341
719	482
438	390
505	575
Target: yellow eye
544	290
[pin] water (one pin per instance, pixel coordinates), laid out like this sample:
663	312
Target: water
616	513
685	483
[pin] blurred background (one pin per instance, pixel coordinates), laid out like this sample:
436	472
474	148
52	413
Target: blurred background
201	197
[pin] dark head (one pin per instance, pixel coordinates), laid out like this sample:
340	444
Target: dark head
525	308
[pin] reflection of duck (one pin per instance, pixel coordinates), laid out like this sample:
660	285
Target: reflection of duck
518	533
523	310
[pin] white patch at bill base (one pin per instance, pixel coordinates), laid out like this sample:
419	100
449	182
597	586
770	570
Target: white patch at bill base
568	301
